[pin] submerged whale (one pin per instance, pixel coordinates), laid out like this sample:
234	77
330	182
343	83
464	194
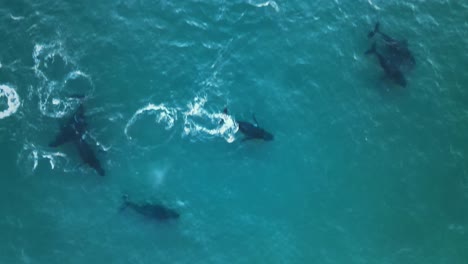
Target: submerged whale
391	70
74	130
252	131
151	211
397	50
88	156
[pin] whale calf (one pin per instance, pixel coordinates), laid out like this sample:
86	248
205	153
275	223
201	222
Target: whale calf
151	211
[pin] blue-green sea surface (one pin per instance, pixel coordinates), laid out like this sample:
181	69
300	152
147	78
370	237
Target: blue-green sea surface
360	170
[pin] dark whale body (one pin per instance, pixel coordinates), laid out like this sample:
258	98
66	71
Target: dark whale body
252	131
88	156
74	130
391	70
151	211
396	50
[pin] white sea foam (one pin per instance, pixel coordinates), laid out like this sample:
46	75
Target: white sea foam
36	154
373	5
163	114
54	70
272	4
13	100
200	122
16	17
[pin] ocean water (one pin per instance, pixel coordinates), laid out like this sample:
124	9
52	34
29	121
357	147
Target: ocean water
360	170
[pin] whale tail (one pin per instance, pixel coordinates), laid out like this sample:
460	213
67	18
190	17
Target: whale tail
372	50
376	30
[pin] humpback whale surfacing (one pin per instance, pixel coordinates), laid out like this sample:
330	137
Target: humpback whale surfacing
252	131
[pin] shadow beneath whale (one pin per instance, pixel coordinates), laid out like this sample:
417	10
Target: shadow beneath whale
74	130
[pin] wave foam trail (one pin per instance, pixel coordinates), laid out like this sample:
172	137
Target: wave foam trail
13	100
57	73
198	121
272	4
163	114
16	17
36	154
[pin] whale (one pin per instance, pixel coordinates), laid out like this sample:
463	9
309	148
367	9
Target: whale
251	130
391	70
397	50
88	156
156	212
74	131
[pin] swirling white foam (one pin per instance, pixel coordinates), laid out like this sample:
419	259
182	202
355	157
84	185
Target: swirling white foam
198	121
51	102
13	100
16	17
272	4
163	114
373	5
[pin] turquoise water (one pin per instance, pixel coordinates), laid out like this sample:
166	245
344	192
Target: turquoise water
360	171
